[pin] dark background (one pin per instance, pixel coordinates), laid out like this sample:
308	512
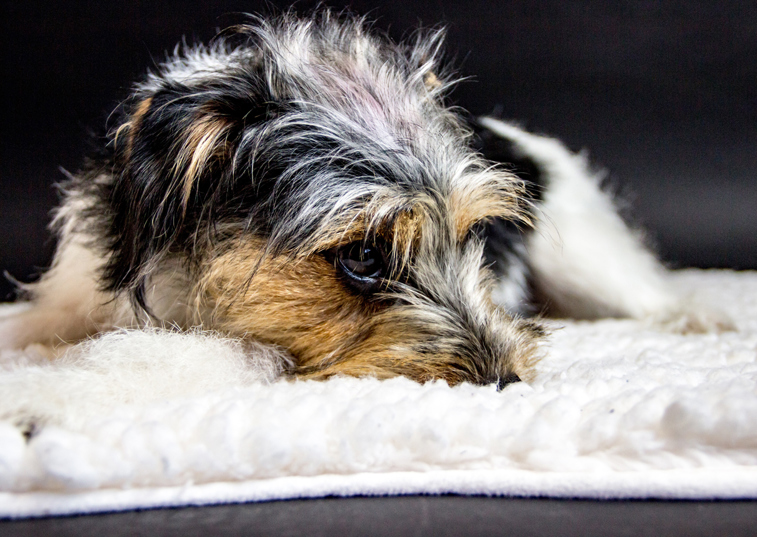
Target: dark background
661	94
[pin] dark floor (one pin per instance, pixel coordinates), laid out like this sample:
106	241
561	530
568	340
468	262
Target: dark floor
416	516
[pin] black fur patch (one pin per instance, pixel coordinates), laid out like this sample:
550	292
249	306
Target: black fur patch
503	236
503	151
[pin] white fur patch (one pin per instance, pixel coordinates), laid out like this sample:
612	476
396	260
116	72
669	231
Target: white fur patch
583	256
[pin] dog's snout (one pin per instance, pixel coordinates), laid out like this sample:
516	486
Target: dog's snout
510	378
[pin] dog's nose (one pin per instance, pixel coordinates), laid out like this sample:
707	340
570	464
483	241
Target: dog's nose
507	379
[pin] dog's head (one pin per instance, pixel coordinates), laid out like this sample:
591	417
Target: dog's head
309	178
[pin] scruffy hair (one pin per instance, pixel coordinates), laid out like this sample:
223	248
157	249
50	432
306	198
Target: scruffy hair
239	173
295	131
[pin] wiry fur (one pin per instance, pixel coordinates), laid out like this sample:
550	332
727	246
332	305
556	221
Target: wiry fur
238	172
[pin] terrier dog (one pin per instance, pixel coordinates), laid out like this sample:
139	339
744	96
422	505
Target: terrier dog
301	183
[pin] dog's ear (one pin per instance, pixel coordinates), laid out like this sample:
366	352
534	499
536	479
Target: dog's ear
172	155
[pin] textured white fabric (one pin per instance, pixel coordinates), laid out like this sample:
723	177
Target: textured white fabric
617	409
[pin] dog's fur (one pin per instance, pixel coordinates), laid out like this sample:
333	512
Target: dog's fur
301	183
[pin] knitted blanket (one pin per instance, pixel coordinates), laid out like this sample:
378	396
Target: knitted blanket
616	409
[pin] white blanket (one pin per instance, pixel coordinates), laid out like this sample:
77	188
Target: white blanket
617	409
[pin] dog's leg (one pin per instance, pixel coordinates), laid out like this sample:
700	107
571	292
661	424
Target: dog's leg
64	306
585	261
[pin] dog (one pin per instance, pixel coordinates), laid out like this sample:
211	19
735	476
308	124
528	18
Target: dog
301	183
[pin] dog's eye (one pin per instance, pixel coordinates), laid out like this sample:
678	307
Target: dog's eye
361	261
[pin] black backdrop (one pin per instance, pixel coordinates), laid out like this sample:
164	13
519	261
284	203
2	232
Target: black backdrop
661	94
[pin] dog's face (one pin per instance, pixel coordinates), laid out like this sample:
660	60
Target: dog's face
321	198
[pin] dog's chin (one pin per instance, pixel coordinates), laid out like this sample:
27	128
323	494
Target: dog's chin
454	369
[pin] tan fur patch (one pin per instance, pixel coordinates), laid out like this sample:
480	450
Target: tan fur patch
470	206
431	81
205	140
132	126
301	305
405	235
